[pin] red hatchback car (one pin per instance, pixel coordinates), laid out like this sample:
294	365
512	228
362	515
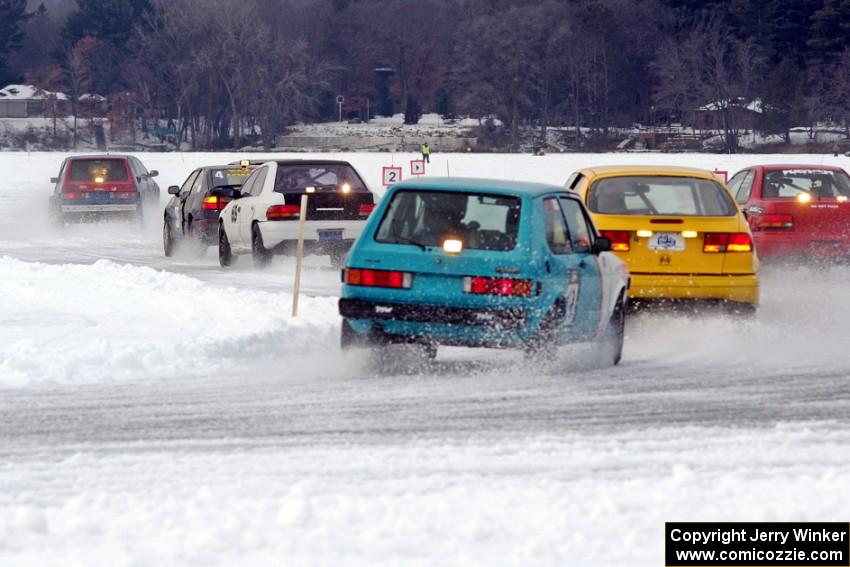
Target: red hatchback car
796	211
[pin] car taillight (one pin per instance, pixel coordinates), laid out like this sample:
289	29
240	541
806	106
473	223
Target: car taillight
124	195
366	209
619	239
378	278
497	286
774	222
283	212
214	203
727	242
72	195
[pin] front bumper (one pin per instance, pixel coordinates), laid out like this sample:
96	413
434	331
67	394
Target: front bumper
740	288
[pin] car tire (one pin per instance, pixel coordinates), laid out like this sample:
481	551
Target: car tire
225	253
168	243
611	344
349	338
55	215
139	218
198	246
547	332
262	257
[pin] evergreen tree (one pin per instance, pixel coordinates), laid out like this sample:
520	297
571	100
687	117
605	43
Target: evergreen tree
830	26
12	15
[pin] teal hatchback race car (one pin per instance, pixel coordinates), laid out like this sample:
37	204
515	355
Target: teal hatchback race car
482	263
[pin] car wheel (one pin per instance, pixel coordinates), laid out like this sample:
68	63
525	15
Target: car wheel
547	332
261	256
198	245
225	254
168	243
55	215
349	338
611	345
139	217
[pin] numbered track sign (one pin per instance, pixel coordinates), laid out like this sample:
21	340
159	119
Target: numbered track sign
391	175
417	167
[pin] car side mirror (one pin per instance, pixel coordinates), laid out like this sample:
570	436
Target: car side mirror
153	173
174	190
601	244
54	180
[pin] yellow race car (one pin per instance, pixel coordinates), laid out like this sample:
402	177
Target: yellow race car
678	230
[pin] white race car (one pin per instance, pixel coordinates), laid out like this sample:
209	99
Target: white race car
263	217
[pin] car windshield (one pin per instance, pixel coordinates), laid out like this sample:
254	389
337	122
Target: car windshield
818	183
235	176
428	218
98	170
296	178
657	195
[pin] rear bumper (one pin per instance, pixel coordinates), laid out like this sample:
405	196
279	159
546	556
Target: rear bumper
99	208
398	322
276	232
740	288
782	245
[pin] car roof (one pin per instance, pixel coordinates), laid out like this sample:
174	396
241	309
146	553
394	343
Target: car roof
296	161
774	167
99	156
672	170
498	186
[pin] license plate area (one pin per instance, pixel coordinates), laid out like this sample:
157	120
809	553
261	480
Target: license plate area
333	234
667	242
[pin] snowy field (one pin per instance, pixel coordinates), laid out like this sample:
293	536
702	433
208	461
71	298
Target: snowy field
157	412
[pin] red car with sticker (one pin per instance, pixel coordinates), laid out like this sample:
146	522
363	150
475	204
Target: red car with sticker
796	211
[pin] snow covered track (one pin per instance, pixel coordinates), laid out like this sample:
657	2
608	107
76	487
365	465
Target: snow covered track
168	413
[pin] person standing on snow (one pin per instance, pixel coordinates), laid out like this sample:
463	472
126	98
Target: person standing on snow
426	152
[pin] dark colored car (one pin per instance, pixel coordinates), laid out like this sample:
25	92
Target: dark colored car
102	185
192	213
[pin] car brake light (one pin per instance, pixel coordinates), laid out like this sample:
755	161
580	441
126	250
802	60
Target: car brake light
774	222
366	209
72	195
378	278
497	286
619	239
727	242
214	203
283	212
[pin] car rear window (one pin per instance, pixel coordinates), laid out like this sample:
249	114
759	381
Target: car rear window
98	170
296	178
817	183
428	218
235	176
648	195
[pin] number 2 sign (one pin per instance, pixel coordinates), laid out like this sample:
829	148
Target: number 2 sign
391	175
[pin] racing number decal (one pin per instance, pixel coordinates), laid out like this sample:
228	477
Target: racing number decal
572	296
233	214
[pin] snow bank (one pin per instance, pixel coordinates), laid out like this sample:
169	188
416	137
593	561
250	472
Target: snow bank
107	321
541	500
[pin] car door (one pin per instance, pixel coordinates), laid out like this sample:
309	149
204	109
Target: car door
590	293
237	211
193	203
174	209
563	267
250	205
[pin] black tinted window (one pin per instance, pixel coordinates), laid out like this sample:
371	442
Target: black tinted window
428	218
98	170
296	178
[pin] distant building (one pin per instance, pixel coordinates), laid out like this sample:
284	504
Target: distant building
743	112
27	101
